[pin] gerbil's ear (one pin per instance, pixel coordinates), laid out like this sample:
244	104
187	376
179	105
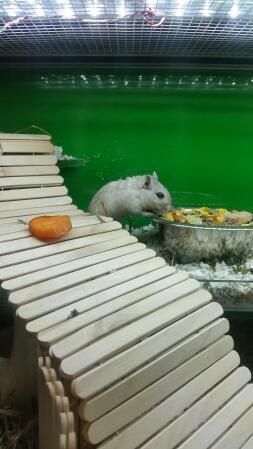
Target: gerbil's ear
154	176
147	182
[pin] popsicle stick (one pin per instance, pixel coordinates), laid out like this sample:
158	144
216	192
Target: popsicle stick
154	421
73	325
24	194
73	212
71	266
71	422
77	222
84	359
90	304
52	375
45	373
99	405
59	210
65	404
19	136
15	235
14	215
8	228
28	160
27	181
21	270
7	206
9	225
61	430
59	247
32	242
104	375
113	322
248	444
59	389
28	170
148	398
50	286
62	442
72	440
47	362
70	296
25	146
199	413
40	362
228	420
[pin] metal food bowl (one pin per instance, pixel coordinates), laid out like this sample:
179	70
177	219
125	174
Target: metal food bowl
187	243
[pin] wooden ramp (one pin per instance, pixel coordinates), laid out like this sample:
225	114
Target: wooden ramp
131	353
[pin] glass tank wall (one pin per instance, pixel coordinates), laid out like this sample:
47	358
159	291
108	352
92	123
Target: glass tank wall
194	127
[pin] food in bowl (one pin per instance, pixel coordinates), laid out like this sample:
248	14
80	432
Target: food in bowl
209	216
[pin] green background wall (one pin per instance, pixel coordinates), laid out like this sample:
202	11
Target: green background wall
195	128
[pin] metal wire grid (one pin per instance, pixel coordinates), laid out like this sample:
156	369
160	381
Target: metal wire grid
212	28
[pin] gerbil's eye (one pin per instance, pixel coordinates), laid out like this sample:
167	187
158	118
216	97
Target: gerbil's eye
160	195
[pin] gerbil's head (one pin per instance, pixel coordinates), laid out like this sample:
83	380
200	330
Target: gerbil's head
157	198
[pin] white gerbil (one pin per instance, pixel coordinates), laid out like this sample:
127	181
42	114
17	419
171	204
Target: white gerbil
138	195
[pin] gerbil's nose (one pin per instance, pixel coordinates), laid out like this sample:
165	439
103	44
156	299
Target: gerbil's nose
169	208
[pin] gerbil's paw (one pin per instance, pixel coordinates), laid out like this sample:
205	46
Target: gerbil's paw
147	214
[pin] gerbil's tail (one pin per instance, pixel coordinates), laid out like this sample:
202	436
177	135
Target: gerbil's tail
99	216
106	211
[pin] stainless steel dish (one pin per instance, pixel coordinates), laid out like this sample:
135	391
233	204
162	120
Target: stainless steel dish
193	243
